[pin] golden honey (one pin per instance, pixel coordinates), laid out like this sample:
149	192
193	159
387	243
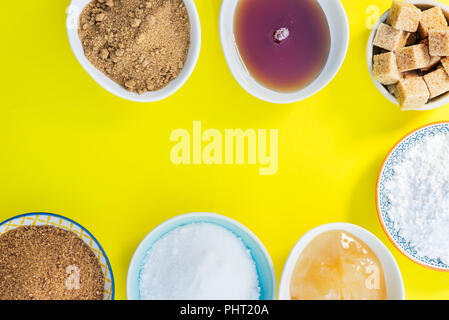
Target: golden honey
336	265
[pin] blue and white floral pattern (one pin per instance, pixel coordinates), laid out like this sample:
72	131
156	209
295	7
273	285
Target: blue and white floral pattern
397	156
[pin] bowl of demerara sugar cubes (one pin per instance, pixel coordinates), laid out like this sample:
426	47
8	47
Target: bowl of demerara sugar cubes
408	54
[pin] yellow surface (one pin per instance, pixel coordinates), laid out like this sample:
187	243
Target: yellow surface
69	147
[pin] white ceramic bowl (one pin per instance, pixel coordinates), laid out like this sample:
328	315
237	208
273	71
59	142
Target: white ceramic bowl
422	4
339	29
73	13
393	278
261	257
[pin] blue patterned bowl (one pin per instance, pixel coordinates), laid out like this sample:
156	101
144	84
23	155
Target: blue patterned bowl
44	219
395	157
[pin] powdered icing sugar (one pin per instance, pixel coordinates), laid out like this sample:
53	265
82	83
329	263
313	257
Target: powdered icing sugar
419	197
200	261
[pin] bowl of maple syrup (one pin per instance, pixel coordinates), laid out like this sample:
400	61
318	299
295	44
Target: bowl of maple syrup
283	51
341	261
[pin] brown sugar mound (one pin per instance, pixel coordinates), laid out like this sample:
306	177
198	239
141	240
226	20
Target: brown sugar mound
36	263
140	44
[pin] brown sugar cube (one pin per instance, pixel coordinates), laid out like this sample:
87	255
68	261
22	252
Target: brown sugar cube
431	19
433	62
409	74
437	82
433	59
439	42
412	93
385	69
390	38
413	57
404	16
445	64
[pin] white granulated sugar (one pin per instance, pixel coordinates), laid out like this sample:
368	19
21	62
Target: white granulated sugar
419	196
201	261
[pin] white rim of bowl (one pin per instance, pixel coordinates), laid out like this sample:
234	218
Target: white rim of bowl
134	262
438	101
359	232
72	24
253	87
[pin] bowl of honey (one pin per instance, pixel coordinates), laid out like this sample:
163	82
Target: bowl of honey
341	261
283	51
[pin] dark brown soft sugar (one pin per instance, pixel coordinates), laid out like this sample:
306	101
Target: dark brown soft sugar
140	44
34	265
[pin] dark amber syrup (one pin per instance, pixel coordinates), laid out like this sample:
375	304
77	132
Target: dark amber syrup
284	44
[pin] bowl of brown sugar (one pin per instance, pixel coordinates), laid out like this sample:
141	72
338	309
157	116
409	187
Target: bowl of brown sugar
139	50
49	257
408	54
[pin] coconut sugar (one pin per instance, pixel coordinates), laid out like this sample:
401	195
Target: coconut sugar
48	263
201	261
140	44
419	197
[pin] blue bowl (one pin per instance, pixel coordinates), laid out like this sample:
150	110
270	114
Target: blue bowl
395	157
264	265
43	219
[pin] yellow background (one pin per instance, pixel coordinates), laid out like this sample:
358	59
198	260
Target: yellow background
69	147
